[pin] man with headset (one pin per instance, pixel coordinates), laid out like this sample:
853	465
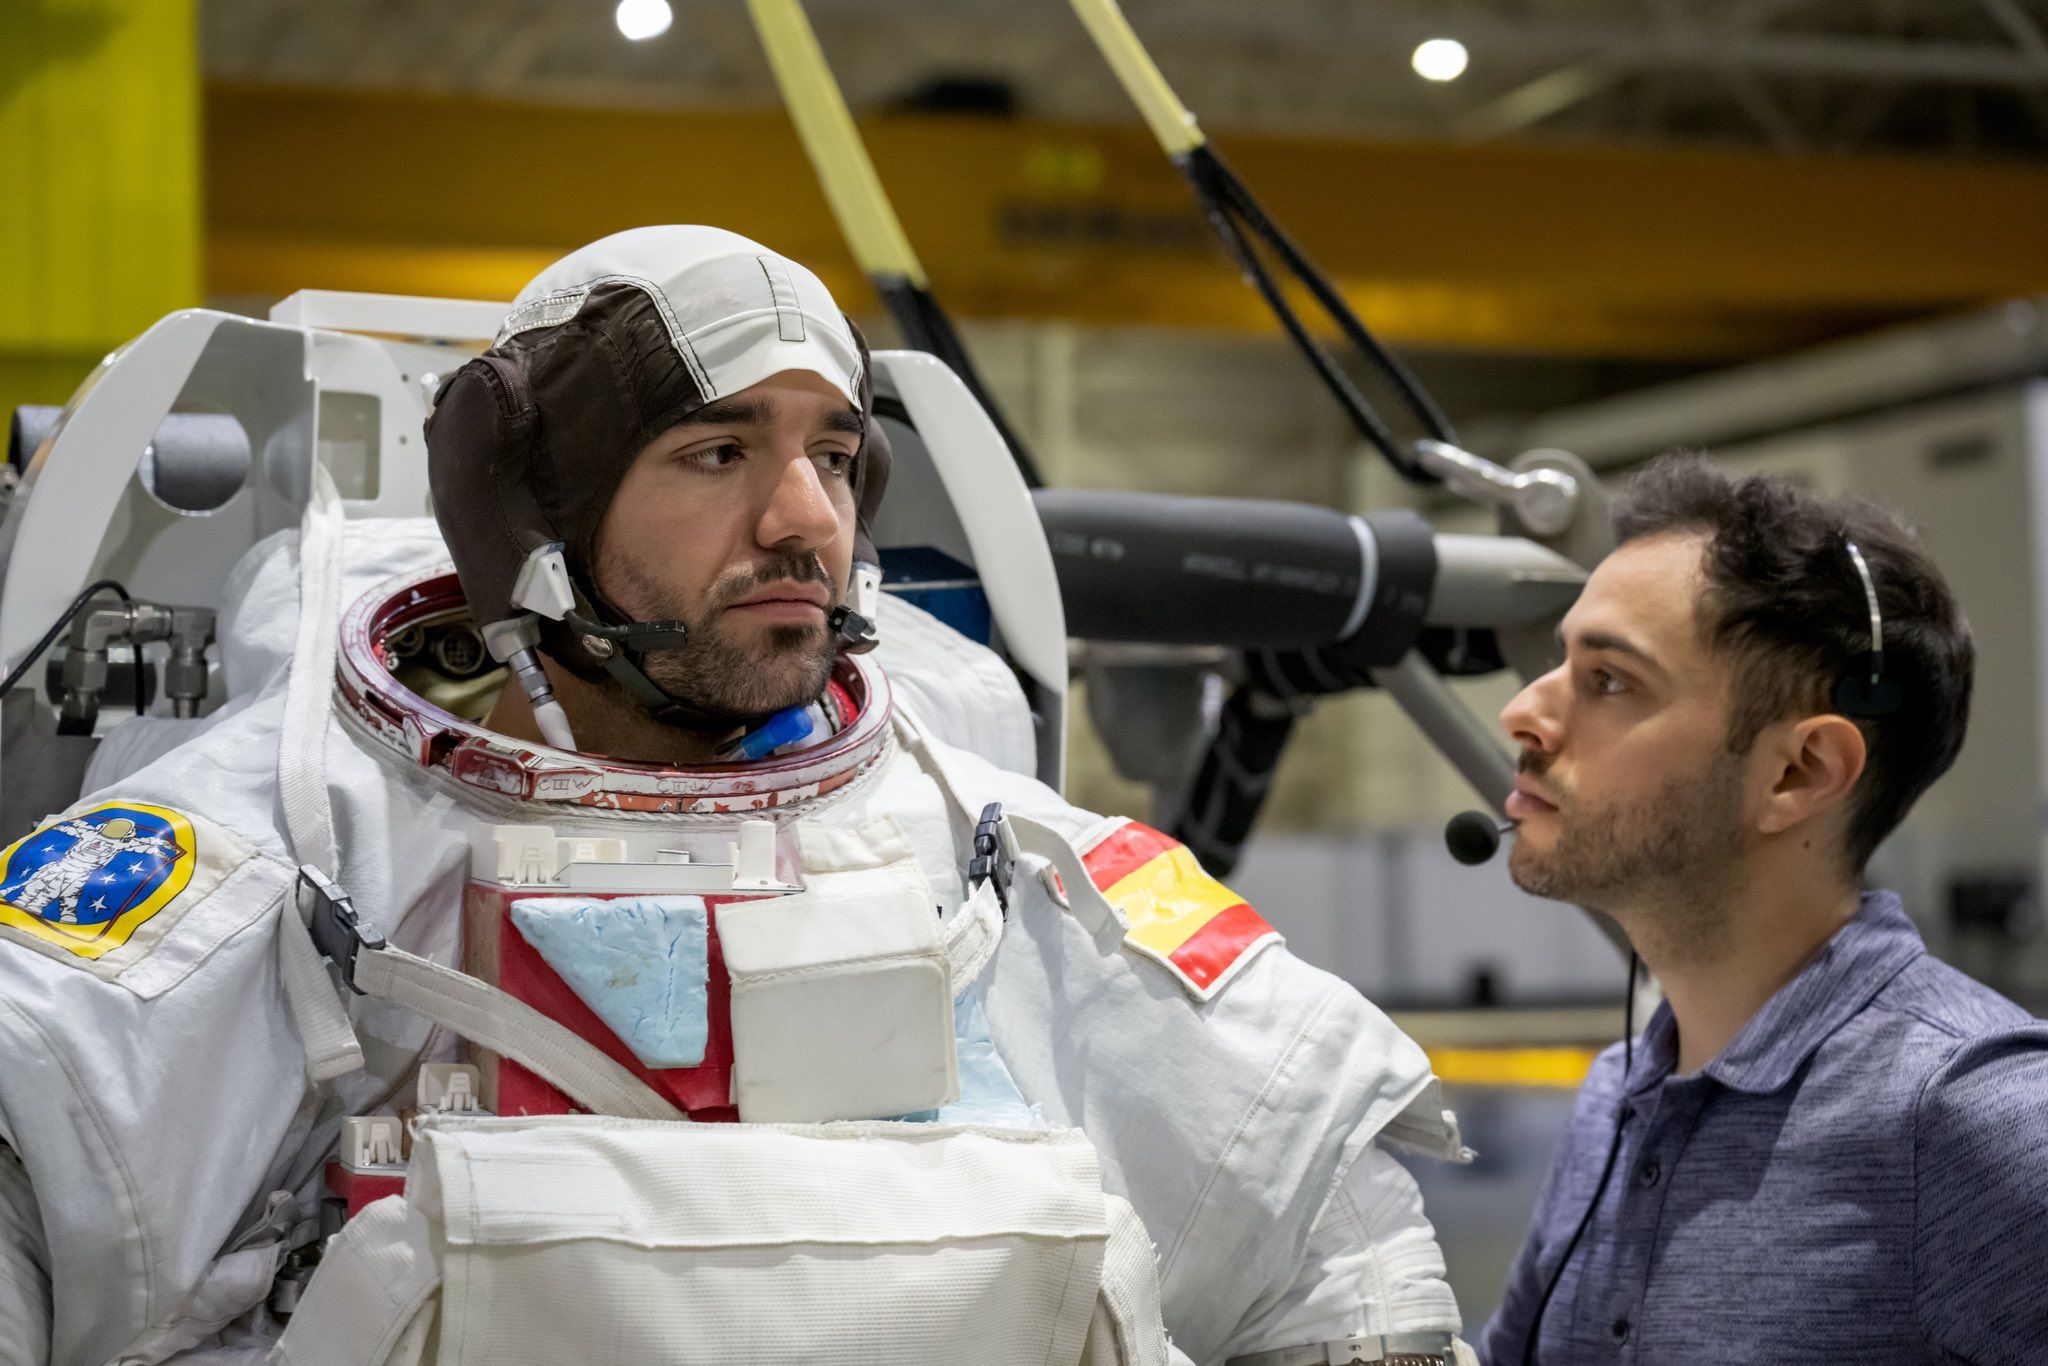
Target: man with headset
1826	1145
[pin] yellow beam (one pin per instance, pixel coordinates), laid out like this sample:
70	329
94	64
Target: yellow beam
99	134
1562	1067
1594	251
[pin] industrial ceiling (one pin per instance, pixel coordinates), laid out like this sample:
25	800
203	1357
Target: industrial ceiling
1944	78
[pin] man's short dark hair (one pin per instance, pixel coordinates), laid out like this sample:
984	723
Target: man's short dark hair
1784	604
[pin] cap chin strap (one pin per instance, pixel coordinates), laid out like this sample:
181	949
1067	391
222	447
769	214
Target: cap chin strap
622	649
546	589
622	652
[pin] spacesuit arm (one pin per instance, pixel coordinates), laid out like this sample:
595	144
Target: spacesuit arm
1372	1269
24	1269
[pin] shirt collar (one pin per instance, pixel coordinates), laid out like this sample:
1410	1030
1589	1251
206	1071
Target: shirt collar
1853	967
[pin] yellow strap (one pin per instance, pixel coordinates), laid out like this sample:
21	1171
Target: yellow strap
1171	121
865	216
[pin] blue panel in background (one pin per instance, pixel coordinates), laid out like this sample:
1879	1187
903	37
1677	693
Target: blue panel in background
941	585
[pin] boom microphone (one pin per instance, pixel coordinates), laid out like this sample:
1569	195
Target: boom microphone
1473	837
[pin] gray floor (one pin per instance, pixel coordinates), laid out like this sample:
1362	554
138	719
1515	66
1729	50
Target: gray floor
1481	1210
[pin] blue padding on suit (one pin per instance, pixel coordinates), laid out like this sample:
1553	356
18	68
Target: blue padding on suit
988	1093
642	963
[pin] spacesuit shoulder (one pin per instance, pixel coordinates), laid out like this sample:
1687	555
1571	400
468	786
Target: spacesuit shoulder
154	1070
1228	1116
131	886
960	691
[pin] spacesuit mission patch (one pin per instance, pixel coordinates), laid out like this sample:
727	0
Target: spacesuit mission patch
87	882
1175	913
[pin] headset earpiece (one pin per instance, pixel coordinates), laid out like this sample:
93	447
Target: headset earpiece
1870	694
1858	696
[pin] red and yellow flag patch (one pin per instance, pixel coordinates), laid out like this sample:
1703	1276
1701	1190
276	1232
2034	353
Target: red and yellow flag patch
1173	911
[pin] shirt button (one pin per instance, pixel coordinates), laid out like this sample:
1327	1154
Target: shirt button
1619	1328
1650	1174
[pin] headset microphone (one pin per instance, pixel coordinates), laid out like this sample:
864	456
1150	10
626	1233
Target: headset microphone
1473	837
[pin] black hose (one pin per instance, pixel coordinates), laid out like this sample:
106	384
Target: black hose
925	327
1241	223
1427	413
1230	785
50	638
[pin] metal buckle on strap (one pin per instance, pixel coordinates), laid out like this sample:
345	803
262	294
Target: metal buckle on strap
995	854
339	930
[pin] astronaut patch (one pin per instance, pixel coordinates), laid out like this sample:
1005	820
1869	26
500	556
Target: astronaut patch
85	884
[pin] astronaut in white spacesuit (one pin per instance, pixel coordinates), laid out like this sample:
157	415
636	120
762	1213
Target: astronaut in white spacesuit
655	489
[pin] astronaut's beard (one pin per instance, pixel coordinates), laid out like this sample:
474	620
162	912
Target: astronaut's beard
715	669
1663	866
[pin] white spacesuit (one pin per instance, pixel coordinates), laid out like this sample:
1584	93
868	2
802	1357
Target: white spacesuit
171	1098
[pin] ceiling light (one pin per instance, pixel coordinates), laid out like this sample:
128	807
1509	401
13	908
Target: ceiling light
1439	59
640	20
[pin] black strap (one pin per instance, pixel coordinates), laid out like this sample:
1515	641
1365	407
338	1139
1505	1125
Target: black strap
1243	226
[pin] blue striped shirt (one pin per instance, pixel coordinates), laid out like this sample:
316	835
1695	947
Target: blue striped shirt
1860	1176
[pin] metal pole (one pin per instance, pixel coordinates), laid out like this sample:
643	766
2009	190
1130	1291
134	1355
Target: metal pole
1450	726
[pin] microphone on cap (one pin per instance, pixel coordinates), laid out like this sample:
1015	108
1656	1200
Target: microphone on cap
1473	837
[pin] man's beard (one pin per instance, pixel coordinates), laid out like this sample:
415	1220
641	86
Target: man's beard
1666	862
784	666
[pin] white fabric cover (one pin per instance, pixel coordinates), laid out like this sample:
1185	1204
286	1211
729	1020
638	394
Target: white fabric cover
375	1301
736	311
842	998
882	1244
961	692
1126	1327
153	1128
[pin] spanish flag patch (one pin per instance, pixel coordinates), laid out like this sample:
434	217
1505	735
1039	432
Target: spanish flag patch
1174	912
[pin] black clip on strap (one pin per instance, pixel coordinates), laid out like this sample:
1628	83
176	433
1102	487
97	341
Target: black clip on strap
855	633
639	636
339	931
995	859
